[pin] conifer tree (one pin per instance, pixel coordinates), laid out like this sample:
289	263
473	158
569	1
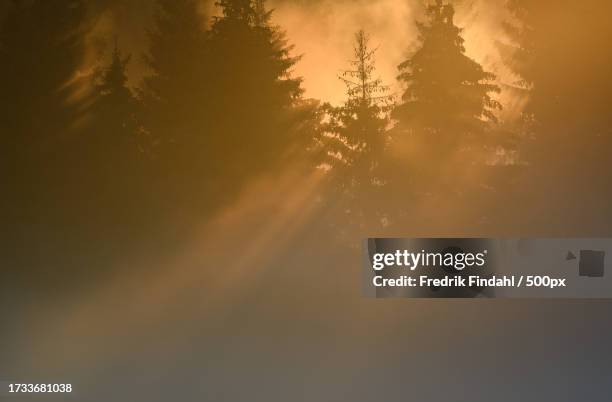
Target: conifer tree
219	102
112	154
115	107
252	91
448	98
356	135
354	139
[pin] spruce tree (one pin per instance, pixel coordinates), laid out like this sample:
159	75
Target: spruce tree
356	134
113	161
354	139
114	109
220	101
448	98
252	91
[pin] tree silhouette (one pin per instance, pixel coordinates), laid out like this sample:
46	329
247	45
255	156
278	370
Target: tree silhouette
109	180
447	102
115	108
252	94
354	139
113	144
445	127
221	105
356	133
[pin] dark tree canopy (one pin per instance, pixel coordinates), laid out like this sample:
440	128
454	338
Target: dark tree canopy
448	99
220	101
252	91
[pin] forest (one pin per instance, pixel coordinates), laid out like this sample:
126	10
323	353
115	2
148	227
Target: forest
94	168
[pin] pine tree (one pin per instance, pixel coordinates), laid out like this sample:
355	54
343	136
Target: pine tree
115	108
109	175
448	100
252	92
219	102
354	139
356	134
